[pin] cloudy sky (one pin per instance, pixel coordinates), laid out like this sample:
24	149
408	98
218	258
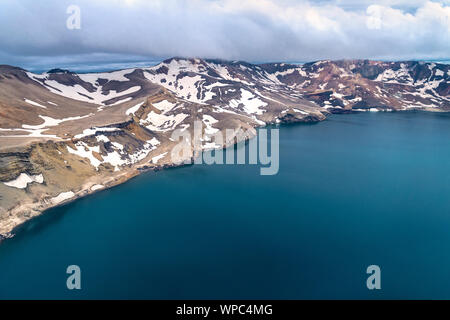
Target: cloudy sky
111	31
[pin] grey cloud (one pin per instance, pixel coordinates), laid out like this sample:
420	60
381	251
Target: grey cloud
264	30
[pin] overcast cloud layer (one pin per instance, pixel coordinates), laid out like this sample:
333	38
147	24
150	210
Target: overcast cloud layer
253	30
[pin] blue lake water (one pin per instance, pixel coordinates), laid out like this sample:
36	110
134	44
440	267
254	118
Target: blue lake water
352	191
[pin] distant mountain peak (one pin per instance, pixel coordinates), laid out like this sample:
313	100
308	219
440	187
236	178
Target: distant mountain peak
58	70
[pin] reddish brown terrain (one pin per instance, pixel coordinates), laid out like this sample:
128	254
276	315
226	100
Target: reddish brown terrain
64	135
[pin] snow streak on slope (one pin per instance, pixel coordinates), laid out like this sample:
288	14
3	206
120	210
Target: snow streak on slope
86	87
249	89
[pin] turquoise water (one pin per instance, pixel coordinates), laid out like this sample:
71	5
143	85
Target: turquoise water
352	191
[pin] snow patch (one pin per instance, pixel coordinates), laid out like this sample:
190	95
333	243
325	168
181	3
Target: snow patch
132	110
164	105
22	181
209	121
62	197
34	103
158	157
162	122
251	103
121	101
84	151
97	187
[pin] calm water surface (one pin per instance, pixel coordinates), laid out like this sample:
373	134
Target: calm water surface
352	191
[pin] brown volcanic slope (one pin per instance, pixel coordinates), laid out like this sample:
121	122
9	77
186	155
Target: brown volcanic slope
64	135
363	84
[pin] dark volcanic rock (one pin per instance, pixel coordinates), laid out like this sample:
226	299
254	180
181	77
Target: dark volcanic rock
12	164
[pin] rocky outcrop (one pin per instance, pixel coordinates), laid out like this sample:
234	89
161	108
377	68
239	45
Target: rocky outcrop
12	164
295	118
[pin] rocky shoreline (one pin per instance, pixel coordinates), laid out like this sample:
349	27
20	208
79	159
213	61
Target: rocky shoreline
38	206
